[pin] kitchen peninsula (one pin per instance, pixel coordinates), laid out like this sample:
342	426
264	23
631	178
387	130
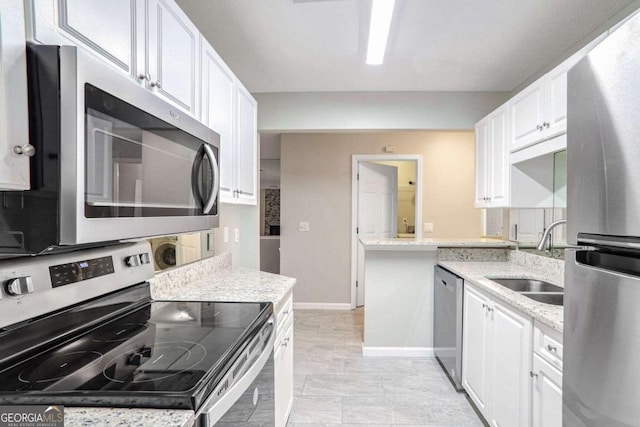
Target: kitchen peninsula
398	316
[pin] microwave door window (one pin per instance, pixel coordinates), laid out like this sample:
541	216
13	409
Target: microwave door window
138	165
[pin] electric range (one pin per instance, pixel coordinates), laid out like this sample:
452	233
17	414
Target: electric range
81	329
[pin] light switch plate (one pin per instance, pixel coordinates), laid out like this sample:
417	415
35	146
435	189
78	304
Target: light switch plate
428	227
236	235
225	234
303	226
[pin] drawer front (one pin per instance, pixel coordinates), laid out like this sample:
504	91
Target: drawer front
548	344
283	314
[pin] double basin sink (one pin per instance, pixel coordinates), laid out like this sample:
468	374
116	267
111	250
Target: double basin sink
536	290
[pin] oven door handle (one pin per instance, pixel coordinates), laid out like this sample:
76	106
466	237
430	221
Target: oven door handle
213	409
216	179
195	179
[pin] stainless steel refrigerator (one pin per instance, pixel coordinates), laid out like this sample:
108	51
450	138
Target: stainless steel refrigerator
601	372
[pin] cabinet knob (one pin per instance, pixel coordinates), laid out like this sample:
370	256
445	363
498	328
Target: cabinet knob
533	374
539	127
26	150
156	84
546	124
144	76
552	348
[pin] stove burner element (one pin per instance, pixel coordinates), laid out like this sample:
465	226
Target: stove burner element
122	333
58	366
169	359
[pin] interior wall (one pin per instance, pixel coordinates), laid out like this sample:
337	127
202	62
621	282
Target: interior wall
316	188
357	111
245	252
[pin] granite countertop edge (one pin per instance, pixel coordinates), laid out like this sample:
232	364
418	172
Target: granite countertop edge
432	243
480	274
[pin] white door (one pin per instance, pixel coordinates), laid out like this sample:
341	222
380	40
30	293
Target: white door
475	348
547	394
498	174
246	147
173	55
527	116
511	361
482	170
108	31
14	172
218	112
377	209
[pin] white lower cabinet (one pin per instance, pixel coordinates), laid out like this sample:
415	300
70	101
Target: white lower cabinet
283	365
547	394
496	361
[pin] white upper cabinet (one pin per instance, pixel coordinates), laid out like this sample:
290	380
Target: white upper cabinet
218	112
482	169
14	124
229	109
173	56
153	41
492	160
246	147
527	116
109	32
539	112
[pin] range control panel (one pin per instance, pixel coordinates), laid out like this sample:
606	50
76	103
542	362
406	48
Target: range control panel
72	272
34	286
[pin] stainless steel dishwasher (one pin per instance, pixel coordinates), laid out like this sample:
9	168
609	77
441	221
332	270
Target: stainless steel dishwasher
447	323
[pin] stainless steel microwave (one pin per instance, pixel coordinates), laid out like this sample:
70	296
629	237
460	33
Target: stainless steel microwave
112	161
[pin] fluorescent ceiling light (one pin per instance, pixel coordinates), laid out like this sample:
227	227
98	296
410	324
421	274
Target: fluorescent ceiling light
381	13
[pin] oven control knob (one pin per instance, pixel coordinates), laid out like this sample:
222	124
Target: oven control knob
144	258
20	286
132	261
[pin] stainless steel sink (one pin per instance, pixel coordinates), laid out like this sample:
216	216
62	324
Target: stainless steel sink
546	298
528	285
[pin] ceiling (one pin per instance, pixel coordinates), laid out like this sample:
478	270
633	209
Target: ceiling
435	45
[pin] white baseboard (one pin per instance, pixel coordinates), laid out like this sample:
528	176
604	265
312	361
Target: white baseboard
397	351
321	306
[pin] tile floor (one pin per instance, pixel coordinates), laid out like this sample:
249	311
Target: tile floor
334	385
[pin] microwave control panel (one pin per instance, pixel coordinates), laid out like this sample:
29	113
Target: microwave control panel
65	274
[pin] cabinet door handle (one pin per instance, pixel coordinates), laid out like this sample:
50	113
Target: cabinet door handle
539	127
533	374
552	348
156	84
144	76
26	150
546	124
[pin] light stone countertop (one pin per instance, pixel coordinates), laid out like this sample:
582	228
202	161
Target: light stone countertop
125	417
212	279
426	244
480	274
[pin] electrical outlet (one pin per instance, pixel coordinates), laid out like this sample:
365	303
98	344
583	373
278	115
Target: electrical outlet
303	226
428	227
225	235
236	235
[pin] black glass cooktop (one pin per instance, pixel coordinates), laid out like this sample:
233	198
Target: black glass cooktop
162	354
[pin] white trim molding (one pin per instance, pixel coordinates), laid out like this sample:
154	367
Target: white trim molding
397	351
321	306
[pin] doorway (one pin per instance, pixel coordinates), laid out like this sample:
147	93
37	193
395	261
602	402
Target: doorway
381	209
